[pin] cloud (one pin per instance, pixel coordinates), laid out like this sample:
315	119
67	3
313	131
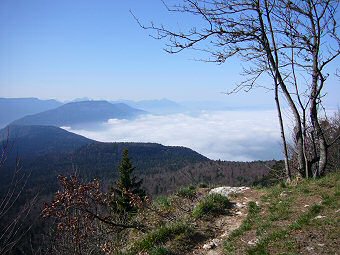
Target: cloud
225	135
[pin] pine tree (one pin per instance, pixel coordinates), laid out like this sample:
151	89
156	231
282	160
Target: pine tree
127	187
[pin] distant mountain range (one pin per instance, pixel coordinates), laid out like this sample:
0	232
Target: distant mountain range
77	113
33	111
161	106
15	108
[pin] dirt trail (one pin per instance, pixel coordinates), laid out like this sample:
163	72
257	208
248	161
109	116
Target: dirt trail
224	225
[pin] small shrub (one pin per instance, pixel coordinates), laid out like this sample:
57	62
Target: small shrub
211	204
253	208
160	236
163	202
280	210
187	192
203	185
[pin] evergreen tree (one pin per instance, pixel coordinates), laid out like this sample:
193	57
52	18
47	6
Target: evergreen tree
128	188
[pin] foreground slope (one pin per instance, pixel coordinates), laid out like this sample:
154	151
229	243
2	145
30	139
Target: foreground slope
301	218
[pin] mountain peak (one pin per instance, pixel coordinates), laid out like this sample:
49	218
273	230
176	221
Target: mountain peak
75	113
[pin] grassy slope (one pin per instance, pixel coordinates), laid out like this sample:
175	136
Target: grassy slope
297	219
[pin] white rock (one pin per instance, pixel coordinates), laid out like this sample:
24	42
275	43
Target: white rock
209	245
217	242
239	213
320	217
284	194
253	242
239	205
212	244
226	190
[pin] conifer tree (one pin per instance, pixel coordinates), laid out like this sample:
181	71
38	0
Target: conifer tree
128	188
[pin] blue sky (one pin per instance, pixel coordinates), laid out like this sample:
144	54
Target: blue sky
85	48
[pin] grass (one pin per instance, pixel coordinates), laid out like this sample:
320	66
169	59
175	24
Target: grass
160	236
288	217
163	202
305	219
187	192
211	205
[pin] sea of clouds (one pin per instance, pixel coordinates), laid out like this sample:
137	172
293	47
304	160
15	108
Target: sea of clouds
225	135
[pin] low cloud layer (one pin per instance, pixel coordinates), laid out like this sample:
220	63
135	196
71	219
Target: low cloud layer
227	135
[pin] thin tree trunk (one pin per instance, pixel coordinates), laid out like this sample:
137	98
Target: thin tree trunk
275	73
315	95
275	67
285	149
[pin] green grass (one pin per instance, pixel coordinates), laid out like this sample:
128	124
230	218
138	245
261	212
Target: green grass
282	216
306	218
211	205
163	202
159	237
187	192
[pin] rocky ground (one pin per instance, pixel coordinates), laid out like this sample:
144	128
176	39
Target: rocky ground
224	225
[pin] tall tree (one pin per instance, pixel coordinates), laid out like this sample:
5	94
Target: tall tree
128	190
292	42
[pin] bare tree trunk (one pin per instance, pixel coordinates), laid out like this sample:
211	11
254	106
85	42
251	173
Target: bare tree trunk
320	139
275	67
315	95
275	73
285	149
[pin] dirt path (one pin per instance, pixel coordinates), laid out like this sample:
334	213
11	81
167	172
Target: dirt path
224	225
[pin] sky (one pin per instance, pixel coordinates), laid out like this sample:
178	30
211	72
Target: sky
68	49
84	48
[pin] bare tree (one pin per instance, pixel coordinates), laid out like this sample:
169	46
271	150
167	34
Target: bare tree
292	42
13	217
84	220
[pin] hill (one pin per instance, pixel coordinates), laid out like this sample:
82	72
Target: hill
15	108
29	142
299	218
84	112
48	151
